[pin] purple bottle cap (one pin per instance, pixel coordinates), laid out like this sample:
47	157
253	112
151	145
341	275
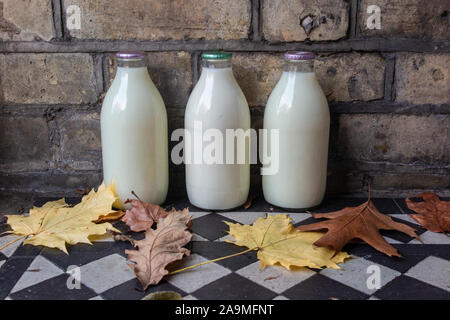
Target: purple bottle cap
133	55
299	55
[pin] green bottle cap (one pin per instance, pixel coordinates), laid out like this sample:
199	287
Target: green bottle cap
216	55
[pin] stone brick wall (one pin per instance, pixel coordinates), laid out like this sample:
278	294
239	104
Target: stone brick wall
388	88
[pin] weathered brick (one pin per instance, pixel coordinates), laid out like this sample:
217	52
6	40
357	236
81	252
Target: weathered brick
283	19
386	184
24	142
351	76
343	77
423	78
408	18
26	20
396	138
162	20
171	72
81	141
47	78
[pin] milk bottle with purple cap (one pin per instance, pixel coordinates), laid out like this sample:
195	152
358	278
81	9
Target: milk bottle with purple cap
134	132
298	108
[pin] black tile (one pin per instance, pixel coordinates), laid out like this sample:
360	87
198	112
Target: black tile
10	273
211	226
407	288
309	220
386	205
82	254
319	287
54	289
400	264
27	250
260	205
213	250
131	290
412	254
234	287
334	204
400	236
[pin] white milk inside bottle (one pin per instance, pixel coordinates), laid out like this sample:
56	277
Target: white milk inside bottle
298	108
216	103
134	133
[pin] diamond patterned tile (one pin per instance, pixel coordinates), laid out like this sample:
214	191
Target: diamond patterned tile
82	254
9	250
407	288
432	270
275	278
193	279
10	272
132	290
211	226
39	270
250	217
106	273
54	289
221	249
231	287
319	287
429	237
355	273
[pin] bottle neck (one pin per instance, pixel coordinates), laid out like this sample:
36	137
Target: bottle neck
303	66
132	68
216	64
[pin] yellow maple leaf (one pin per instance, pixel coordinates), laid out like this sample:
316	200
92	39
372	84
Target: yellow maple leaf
55	223
277	242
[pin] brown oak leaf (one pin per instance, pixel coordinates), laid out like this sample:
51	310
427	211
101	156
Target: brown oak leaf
160	247
433	214
361	222
142	215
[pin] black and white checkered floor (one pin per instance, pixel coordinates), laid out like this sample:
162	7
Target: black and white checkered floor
28	272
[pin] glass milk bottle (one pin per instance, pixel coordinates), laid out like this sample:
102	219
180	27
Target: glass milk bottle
134	132
220	181
298	108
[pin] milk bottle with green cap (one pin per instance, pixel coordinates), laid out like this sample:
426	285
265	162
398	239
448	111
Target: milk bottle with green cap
134	132
216	103
298	108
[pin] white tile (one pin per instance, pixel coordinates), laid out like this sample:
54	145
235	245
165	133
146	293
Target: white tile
9	250
275	278
280	298
97	298
432	270
197	214
106	273
189	297
245	217
193	279
392	241
355	273
2	262
8	298
429	237
196	237
373	298
404	217
39	270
